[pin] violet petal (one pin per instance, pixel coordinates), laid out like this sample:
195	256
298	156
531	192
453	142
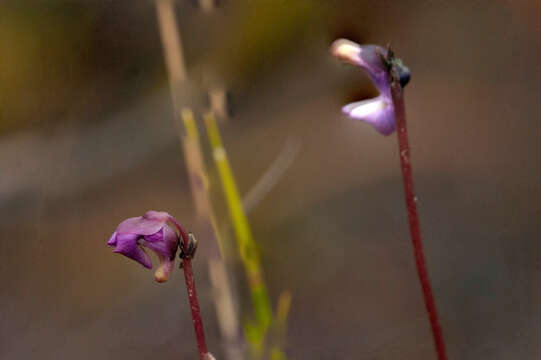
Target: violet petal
140	225
155	237
376	112
127	246
166	247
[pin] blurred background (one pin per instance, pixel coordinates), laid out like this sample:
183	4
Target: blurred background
88	138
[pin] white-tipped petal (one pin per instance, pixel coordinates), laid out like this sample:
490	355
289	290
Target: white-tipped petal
347	50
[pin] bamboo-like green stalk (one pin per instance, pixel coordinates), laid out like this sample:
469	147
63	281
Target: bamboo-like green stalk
255	333
245	241
280	327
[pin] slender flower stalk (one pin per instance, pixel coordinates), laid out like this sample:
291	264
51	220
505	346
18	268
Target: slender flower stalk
413	216
152	232
192	294
387	114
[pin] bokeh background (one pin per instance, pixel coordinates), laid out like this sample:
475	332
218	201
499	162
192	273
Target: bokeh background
88	138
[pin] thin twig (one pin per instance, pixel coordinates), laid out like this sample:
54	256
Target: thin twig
413	217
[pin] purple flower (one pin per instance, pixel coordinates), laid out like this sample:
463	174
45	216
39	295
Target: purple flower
148	231
379	111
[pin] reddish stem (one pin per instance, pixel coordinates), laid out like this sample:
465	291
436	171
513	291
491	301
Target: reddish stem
192	295
415	229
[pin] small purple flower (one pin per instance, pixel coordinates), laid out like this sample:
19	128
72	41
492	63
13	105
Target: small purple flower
379	111
148	231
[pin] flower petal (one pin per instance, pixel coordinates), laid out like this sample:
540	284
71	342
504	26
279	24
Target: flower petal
140	226
369	57
364	108
155	237
347	50
166	247
127	246
376	112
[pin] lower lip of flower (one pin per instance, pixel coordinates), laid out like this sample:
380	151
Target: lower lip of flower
365	108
